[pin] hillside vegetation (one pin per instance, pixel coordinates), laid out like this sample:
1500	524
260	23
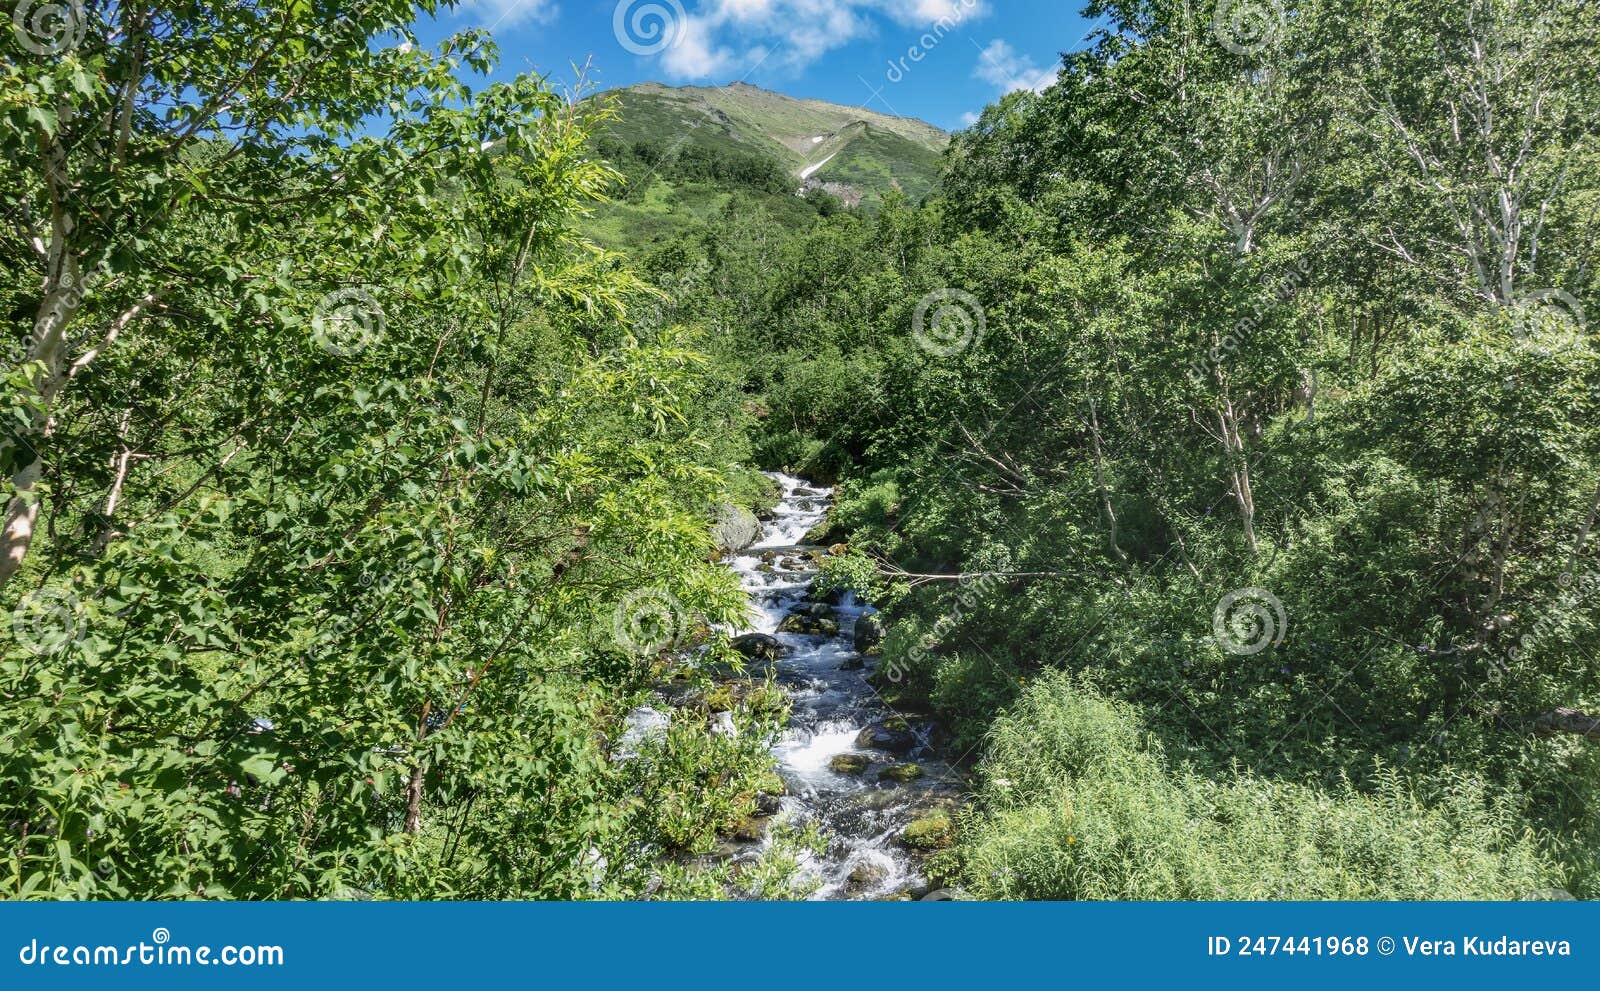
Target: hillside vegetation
1218	432
1252	387
692	156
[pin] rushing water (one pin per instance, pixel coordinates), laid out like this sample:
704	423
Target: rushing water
833	701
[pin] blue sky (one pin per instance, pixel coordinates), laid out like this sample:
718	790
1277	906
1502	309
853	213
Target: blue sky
940	60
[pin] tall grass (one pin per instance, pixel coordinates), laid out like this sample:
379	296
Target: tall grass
1078	803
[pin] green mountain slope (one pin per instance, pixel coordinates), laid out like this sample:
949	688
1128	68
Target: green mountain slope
693	153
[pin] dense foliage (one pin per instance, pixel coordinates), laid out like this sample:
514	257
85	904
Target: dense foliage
349	513
1219	439
1248	379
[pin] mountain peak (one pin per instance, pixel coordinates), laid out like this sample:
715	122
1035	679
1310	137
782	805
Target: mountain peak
856	153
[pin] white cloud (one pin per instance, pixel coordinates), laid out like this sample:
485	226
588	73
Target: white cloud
696	55
970	118
719	36
1009	70
509	13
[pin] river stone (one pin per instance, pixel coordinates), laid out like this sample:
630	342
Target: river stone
760	646
902	773
853	664
793	624
849	764
866	876
736	528
892	735
869	633
933	832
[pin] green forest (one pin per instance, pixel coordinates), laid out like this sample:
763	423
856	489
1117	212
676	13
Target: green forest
1216	432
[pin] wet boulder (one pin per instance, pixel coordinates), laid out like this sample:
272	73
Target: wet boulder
869	633
795	623
902	773
735	529
807	621
865	876
758	646
849	764
893	735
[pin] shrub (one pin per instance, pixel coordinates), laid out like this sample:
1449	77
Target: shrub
1078	803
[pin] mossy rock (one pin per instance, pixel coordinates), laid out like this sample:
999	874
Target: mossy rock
934	832
893	735
758	646
850	763
751	831
902	773
823	534
793	624
772	783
